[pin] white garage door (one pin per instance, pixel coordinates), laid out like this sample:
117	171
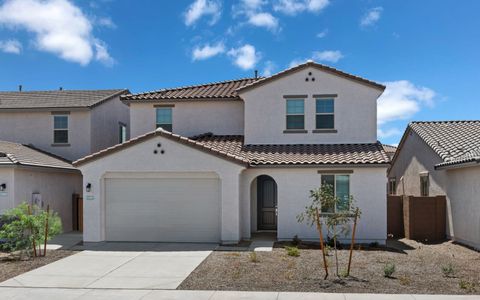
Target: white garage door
163	209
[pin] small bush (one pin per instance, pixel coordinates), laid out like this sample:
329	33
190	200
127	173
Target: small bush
343	273
404	280
296	240
448	270
388	270
467	285
292	251
253	257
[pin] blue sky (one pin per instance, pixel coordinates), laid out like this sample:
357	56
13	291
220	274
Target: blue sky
426	52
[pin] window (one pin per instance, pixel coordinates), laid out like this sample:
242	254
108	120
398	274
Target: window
424	185
324	114
164	118
392	186
122	133
295	114
341	189
60	129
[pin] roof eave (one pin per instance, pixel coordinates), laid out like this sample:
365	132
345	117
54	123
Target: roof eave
456	165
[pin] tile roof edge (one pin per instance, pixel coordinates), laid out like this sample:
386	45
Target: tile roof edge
316	65
105	99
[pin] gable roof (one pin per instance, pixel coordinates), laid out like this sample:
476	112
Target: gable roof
56	99
232	148
317	66
389	149
455	142
12	154
224	90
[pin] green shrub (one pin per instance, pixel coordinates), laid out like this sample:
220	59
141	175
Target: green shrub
21	228
253	257
467	285
343	273
448	270
388	270
292	251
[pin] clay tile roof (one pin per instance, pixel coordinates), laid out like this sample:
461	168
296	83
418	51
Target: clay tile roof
231	147
389	149
56	99
26	155
210	91
456	142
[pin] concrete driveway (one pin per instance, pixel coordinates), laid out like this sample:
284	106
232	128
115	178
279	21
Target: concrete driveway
117	269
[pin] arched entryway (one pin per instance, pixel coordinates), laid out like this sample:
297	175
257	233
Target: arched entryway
265	196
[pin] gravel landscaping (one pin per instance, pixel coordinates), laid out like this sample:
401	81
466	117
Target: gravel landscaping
12	268
445	268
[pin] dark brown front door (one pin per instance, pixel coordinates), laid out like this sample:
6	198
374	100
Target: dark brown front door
267	203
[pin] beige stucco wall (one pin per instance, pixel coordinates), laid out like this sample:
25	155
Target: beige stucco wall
139	160
55	186
367	185
463	192
355	110
105	122
7	197
414	157
191	117
36	128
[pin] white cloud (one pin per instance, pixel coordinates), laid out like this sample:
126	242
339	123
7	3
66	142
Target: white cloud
101	53
294	7
263	20
268	68
207	51
371	17
105	22
388	132
59	27
200	8
327	55
245	57
322	33
401	100
11	46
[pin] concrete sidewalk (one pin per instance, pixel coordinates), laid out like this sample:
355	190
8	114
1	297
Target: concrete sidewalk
119	294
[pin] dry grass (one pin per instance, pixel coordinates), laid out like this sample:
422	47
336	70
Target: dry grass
418	270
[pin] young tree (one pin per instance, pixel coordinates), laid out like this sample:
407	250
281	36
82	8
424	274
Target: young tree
336	215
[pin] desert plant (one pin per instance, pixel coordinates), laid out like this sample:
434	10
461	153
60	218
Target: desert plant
343	273
292	251
388	270
26	226
253	257
448	270
336	216
467	285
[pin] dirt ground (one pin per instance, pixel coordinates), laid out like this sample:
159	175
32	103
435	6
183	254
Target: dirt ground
418	271
12	268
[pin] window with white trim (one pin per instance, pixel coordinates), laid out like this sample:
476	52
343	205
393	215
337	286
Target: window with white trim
295	114
122	133
340	184
424	185
392	186
60	129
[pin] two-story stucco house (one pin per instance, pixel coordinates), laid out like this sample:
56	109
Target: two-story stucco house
220	161
41	132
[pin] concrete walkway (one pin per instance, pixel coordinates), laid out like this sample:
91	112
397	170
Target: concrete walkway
114	269
119	294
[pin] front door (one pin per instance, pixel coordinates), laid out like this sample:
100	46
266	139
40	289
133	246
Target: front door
267	203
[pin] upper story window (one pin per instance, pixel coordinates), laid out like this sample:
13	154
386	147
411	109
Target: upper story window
392	186
122	133
164	118
424	185
340	185
60	129
325	114
295	114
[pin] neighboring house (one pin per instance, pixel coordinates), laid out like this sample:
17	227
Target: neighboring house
232	158
70	124
443	158
33	176
390	150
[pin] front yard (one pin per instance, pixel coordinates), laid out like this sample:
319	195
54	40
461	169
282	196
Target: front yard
444	268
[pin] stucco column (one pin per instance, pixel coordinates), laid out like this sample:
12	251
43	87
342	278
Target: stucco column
230	220
92	211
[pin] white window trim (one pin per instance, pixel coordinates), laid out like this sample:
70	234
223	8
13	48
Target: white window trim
63	129
163	107
335	188
390	180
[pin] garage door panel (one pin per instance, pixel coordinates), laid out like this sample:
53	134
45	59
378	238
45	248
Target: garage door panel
181	209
